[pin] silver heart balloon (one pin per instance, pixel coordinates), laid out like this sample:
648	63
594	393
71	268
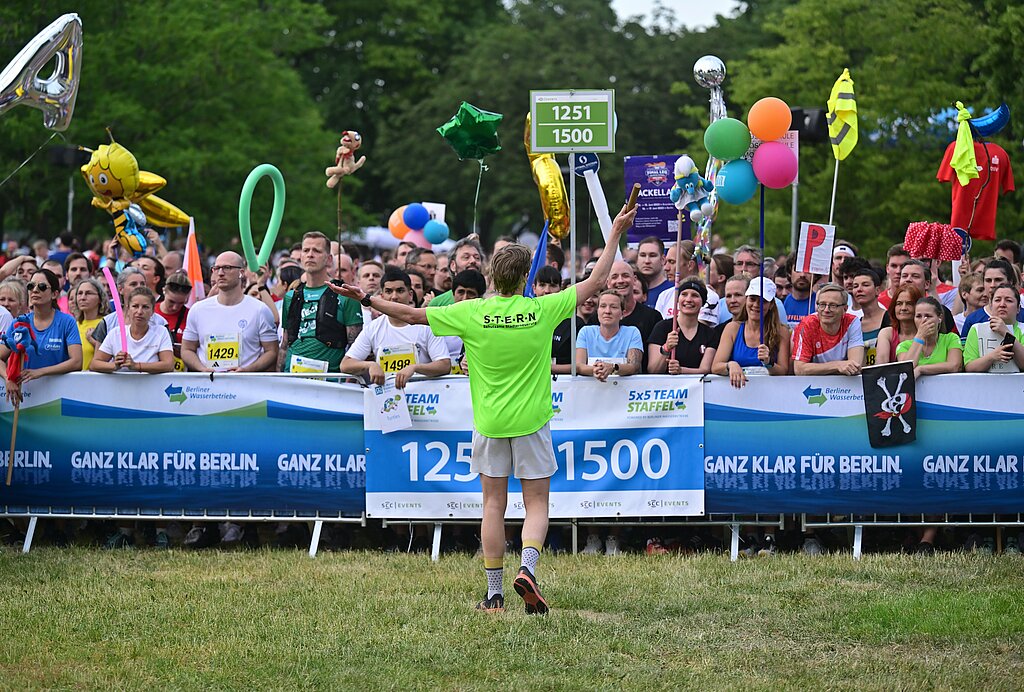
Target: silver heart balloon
20	83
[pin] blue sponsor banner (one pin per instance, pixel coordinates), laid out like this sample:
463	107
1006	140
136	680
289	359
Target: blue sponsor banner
636	454
800	444
185	444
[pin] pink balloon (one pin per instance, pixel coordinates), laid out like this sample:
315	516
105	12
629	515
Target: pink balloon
775	165
416	238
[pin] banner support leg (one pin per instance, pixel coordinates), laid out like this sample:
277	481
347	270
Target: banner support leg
575	537
858	541
734	542
27	546
314	542
435	548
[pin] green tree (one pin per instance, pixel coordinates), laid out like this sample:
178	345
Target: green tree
909	62
200	92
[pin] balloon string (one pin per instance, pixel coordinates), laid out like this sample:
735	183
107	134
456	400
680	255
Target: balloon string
55	134
476	199
761	270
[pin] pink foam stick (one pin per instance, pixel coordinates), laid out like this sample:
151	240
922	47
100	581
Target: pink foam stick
117	307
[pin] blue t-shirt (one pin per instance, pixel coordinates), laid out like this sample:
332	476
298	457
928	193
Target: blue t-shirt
654	292
980	315
617	347
796	310
53	342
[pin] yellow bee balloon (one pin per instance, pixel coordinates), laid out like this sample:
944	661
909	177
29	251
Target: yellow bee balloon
553	200
114	178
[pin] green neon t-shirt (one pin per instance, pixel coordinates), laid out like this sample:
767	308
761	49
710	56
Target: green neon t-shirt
939	354
446	298
307	345
508	350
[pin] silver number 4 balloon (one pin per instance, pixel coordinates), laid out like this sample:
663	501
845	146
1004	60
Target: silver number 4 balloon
20	83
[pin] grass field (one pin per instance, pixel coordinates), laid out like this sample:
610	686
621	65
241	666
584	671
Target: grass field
78	618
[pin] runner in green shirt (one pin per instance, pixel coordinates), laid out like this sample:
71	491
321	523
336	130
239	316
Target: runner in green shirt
508	349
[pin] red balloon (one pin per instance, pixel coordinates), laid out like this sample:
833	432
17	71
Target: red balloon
396	225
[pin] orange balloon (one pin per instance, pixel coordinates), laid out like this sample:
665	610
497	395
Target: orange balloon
769	119
396	225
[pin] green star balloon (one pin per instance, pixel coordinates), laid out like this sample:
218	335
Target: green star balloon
472	133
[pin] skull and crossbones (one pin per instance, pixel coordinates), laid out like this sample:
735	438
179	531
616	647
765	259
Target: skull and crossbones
894	406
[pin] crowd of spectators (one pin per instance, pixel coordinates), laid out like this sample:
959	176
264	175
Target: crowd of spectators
751	316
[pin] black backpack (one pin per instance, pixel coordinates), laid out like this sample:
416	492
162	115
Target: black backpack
328	330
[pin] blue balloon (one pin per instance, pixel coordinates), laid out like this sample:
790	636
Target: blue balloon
436	232
736	182
416	216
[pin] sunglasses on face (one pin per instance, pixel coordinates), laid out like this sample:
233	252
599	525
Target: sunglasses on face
42	286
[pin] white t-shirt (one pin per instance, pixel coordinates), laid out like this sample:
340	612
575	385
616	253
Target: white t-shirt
145	350
230	336
708	312
397	347
155	320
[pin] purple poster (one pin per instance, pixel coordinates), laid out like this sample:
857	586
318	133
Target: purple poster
656	215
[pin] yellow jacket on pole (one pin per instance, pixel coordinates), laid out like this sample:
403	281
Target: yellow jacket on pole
842	116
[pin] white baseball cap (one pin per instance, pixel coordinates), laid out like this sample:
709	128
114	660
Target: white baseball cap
761	287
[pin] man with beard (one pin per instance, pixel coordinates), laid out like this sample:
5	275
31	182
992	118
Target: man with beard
467	254
800	301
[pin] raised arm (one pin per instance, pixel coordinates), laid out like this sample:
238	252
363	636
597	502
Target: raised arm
595	282
406	313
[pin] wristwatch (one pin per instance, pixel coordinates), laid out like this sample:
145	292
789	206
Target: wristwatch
365	300
615	367
664	352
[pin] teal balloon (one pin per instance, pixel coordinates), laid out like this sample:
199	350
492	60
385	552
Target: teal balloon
736	182
727	139
436	232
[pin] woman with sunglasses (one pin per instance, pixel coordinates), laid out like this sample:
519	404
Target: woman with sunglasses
58	347
89	299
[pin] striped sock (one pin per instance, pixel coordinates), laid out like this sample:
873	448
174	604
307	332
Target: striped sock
531	553
495	576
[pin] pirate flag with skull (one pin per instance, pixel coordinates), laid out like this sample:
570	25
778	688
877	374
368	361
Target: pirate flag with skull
890	404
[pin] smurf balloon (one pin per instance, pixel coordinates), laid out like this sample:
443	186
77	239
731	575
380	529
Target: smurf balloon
691	190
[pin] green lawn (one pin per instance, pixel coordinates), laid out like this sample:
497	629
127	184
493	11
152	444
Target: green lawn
80	618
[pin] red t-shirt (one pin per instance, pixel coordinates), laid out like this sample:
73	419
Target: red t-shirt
1001	180
175	322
